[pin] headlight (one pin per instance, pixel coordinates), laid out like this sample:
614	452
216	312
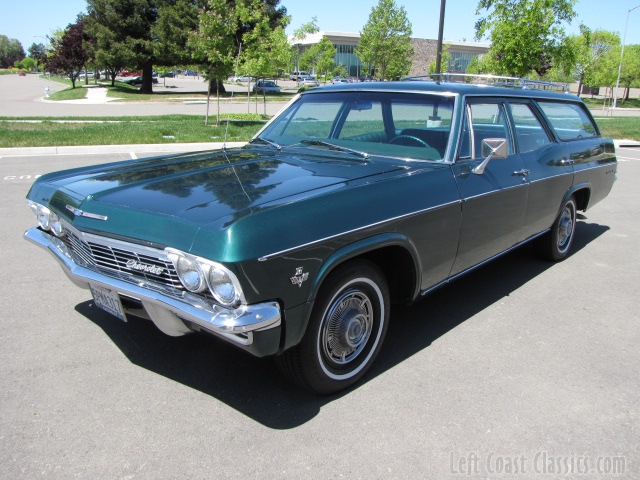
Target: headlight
44	217
47	220
197	273
56	225
190	274
222	286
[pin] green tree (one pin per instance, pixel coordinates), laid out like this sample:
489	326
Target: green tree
590	47
26	63
630	73
11	51
320	57
300	34
212	42
446	59
130	22
177	21
38	52
385	41
526	35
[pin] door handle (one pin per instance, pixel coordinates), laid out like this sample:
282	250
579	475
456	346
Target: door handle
524	172
566	161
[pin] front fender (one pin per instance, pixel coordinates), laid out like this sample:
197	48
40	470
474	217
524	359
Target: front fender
363	247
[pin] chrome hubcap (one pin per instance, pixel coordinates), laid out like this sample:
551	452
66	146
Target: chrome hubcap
347	327
565	227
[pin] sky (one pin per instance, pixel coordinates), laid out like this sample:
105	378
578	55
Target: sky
30	21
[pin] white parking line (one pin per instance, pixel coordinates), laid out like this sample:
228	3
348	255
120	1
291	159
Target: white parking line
21	177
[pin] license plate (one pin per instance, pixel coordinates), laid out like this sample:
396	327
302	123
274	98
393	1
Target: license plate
108	301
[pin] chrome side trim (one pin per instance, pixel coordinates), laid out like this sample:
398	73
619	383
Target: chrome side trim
167	307
264	258
480	195
484	262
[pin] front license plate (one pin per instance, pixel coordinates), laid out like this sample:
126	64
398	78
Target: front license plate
108	301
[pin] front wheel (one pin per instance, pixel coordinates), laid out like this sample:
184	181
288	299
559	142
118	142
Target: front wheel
556	243
345	332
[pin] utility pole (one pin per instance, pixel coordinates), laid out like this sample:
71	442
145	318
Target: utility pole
440	34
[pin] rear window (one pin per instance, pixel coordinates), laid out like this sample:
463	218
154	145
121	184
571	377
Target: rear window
569	120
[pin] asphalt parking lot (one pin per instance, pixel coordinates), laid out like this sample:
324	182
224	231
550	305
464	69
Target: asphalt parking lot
522	369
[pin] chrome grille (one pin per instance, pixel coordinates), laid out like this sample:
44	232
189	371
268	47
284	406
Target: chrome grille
120	259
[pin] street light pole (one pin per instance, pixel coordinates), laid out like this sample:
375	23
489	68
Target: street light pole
624	38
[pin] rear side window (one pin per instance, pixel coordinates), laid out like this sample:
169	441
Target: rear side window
529	130
569	120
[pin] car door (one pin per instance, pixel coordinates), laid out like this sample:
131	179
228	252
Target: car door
493	200
548	161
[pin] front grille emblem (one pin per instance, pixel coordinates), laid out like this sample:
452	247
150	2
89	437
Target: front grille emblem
143	267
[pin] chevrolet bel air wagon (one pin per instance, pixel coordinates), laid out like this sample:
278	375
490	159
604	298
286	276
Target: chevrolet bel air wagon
353	197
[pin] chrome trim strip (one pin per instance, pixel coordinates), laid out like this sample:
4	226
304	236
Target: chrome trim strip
537	180
522	185
120	244
167	308
264	258
484	262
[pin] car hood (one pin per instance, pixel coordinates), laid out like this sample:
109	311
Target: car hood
198	190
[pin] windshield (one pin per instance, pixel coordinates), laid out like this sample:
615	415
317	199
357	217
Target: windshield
407	125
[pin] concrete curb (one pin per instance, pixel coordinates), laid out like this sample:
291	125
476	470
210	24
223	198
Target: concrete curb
626	143
92	149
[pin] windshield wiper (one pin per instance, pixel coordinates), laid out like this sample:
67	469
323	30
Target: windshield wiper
267	141
333	146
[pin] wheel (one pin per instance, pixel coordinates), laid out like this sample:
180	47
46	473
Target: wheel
409	141
555	244
345	332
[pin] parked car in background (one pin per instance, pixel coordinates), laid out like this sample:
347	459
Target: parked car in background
309	81
297	75
241	79
137	81
339	80
353	198
266	86
190	73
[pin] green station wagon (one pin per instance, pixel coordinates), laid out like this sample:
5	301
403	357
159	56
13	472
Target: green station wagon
353	197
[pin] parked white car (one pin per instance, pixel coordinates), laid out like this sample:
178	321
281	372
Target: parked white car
309	81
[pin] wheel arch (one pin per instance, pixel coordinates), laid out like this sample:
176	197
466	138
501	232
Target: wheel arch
392	253
582	193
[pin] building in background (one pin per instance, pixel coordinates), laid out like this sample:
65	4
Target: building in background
461	53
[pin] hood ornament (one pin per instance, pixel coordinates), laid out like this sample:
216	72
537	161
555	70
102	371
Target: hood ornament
79	213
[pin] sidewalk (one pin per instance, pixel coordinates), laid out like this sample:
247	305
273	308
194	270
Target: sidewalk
90	149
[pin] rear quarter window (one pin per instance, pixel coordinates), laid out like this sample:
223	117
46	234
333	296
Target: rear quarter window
570	121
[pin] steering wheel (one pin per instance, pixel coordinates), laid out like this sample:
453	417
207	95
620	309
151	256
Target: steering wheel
409	141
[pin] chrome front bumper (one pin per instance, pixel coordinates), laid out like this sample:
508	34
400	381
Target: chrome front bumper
171	310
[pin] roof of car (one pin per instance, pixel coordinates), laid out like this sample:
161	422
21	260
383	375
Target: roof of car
421	85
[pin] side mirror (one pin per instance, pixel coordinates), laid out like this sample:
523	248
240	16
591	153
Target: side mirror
492	148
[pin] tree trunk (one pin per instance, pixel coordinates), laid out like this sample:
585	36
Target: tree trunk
216	86
147	78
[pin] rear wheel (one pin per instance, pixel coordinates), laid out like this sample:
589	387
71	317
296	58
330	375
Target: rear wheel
556	243
345	332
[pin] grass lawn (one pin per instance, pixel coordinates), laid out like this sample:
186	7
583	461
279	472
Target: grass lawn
22	132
